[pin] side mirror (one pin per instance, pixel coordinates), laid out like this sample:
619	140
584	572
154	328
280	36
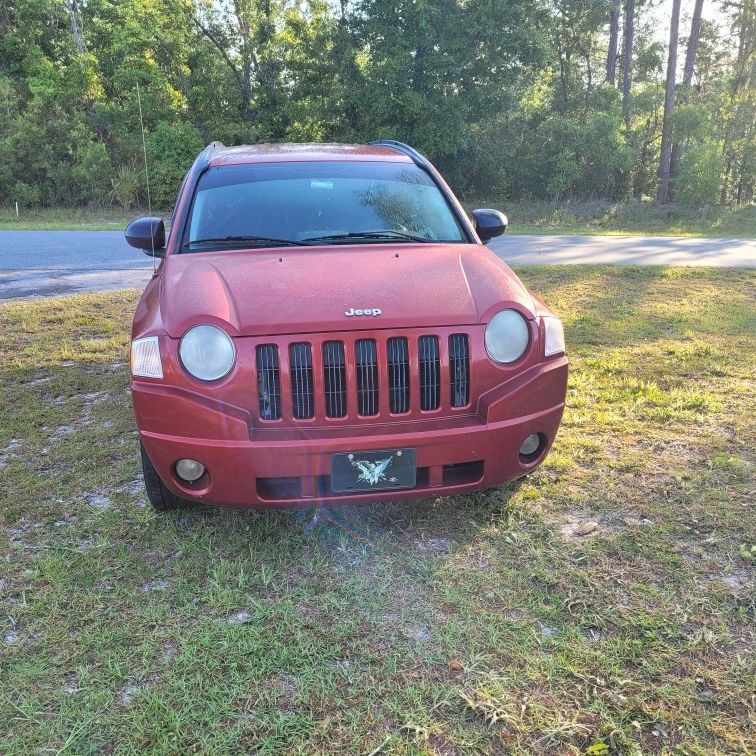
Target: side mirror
489	223
147	234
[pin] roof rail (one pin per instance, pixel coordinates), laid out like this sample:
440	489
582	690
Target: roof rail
405	149
204	156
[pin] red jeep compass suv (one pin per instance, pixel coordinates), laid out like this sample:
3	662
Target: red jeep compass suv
326	325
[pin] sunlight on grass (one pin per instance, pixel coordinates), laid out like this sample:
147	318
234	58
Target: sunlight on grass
622	218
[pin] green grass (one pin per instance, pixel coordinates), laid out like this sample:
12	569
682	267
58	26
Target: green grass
479	624
622	218
109	218
600	217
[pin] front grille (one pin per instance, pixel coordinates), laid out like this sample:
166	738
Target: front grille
398	375
349	378
459	369
334	379
302	390
268	382
430	373
367	377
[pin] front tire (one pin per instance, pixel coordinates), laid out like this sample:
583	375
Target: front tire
160	497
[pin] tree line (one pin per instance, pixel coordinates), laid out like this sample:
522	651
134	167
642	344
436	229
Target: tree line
550	99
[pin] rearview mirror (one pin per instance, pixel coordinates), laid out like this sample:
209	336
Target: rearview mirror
489	223
147	234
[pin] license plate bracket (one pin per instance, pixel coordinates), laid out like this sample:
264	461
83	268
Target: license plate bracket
374	470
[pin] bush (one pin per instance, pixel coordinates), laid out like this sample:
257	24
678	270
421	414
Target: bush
25	194
91	172
125	185
699	180
171	149
566	172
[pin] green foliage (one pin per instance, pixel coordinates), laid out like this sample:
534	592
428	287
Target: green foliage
505	96
171	148
24	194
421	82
700	179
125	186
565	174
91	171
690	121
599	748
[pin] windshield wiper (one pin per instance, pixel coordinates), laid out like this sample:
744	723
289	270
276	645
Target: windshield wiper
224	240
387	234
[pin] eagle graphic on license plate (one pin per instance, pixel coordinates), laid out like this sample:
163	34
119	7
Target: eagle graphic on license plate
373	470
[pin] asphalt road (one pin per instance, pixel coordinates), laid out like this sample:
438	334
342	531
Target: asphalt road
46	263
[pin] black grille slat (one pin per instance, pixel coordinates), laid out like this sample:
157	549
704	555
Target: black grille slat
268	382
334	378
430	373
367	377
302	395
459	369
398	375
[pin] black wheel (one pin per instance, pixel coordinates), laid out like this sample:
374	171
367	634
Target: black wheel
160	497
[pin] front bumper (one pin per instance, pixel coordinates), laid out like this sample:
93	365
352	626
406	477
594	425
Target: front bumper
254	467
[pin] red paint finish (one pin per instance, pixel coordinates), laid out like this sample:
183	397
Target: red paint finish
287	295
308	289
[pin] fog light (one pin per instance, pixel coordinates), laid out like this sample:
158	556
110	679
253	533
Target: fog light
530	445
189	470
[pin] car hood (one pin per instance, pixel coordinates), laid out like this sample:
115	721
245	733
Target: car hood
309	290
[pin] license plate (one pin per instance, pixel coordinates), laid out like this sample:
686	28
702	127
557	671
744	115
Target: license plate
373	470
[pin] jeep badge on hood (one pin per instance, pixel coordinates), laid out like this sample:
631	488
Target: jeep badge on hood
351	312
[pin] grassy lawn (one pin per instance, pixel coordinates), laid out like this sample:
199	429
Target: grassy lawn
622	218
478	624
75	219
600	217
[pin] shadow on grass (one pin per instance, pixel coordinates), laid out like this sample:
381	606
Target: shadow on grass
443	522
413	536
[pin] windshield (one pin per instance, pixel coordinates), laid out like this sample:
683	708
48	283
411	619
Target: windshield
271	204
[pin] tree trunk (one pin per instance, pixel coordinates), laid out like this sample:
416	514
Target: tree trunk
242	81
627	59
611	56
690	53
669	104
738	139
690	60
72	11
349	67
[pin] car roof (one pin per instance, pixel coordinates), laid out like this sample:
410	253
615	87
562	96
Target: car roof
312	151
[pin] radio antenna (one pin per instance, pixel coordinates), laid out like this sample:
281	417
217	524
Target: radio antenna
147	177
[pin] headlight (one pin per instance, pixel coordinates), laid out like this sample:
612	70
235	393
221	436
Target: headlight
145	358
207	352
554	336
507	336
